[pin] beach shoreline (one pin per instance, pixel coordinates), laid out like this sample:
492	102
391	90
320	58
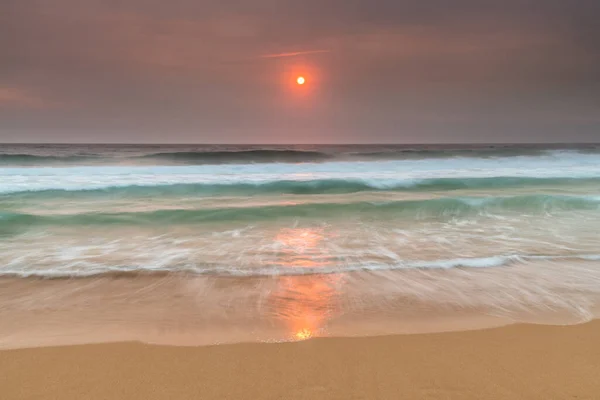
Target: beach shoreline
198	310
512	362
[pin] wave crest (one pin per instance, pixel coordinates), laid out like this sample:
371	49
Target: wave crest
467	263
447	207
242	157
318	186
275	155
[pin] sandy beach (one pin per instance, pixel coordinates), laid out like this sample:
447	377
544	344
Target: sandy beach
514	362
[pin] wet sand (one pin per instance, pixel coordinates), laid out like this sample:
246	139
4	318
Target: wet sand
513	362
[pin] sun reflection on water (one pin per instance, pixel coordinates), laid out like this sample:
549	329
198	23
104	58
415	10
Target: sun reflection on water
300	239
304	303
303	334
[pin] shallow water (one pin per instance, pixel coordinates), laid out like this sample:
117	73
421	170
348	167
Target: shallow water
225	244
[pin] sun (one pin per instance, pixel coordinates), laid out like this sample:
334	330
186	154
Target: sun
300	80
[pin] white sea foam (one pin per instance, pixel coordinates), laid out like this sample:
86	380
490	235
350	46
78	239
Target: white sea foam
379	173
82	270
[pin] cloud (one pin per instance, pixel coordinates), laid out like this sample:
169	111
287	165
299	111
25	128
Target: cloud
293	54
14	97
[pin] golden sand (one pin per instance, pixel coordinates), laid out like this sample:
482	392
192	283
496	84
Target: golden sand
514	362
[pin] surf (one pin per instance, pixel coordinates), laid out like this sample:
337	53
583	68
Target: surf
308	187
445	207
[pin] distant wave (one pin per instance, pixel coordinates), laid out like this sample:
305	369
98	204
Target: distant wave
403	154
31	159
319	186
448	207
277	270
188	158
243	156
281	156
293	156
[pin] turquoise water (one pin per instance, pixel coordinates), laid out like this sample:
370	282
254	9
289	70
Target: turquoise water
52	194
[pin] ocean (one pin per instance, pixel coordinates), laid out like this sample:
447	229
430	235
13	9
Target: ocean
190	244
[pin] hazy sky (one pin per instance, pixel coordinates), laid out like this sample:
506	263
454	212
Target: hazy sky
220	71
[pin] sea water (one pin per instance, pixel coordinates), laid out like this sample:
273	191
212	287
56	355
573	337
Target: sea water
209	244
